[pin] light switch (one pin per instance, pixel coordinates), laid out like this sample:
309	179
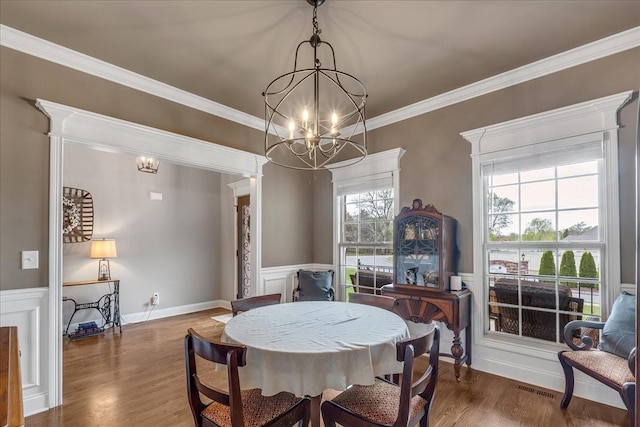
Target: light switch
29	260
155	196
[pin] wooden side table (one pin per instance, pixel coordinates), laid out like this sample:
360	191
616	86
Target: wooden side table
104	305
423	306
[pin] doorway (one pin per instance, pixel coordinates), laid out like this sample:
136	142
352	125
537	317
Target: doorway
70	125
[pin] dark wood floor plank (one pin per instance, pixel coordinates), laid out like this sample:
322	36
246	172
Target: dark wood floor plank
138	379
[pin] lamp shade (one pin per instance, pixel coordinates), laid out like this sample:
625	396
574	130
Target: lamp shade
104	248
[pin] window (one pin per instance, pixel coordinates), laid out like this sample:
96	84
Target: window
543	243
546	234
366	201
366	240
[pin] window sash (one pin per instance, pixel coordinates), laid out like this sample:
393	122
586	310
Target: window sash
518	160
371	259
526	314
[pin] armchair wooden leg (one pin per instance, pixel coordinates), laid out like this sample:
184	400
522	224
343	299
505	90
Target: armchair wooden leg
568	379
627	393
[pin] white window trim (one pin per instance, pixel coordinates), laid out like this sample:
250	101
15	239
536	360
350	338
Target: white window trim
565	125
374	171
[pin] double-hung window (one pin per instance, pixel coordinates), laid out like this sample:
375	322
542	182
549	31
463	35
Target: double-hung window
366	240
365	197
543	243
546	236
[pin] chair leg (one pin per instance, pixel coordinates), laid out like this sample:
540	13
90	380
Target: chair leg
568	379
627	393
329	423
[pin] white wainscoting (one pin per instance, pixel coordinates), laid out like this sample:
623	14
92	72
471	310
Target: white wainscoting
283	279
523	362
28	310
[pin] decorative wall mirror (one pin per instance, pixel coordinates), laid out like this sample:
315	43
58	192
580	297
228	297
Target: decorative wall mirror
77	215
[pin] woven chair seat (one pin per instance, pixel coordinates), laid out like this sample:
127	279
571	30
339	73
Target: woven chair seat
237	407
387	404
378	403
257	410
607	365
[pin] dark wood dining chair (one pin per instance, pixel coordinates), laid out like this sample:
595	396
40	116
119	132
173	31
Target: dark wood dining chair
380	301
385	403
246	304
237	408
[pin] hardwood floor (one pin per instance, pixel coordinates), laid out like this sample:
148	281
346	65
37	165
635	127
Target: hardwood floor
137	379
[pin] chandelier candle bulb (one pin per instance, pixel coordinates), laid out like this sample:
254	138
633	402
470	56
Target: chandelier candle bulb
292	128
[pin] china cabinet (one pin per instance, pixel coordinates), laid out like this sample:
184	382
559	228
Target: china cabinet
424	259
424	248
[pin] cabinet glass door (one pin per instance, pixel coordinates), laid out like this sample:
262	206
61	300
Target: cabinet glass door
418	257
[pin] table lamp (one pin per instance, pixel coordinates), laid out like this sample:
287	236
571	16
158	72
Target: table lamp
103	249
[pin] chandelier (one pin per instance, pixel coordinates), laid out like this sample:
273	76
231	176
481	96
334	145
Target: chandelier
147	164
313	115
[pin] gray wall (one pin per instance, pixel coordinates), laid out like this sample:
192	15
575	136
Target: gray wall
171	246
297	212
437	165
24	160
288	217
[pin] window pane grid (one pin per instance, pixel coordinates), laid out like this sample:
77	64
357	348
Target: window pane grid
541	236
366	238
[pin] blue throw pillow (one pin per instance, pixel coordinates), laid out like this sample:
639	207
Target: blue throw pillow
619	332
315	285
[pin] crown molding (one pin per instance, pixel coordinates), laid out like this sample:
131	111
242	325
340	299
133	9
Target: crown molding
40	48
589	52
31	45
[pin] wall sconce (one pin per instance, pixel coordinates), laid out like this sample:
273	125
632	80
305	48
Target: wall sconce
147	164
103	249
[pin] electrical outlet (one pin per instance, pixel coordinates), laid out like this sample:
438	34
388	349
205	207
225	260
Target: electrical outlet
155	300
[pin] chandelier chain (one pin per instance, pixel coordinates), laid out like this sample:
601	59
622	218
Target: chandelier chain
316	30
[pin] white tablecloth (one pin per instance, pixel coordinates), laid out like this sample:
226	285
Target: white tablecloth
307	347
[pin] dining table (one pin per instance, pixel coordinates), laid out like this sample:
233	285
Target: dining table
307	347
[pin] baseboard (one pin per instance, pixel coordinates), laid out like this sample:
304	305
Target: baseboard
160	313
35	404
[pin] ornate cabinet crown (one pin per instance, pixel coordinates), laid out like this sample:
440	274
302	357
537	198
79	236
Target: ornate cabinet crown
424	247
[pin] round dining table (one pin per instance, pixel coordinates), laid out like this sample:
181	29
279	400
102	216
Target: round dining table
306	347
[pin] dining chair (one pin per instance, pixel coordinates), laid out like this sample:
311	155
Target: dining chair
246	304
380	301
235	408
411	310
385	403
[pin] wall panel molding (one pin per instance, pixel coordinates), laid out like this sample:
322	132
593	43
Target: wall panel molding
282	279
27	309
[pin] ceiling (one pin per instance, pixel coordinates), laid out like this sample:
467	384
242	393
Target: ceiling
403	51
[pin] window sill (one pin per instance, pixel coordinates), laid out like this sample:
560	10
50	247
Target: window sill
522	345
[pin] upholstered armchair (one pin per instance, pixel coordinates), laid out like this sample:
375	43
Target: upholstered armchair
608	359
